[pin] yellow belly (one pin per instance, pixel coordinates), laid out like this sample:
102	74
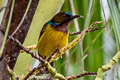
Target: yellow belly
50	40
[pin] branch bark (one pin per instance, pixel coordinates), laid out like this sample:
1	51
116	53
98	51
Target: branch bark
12	49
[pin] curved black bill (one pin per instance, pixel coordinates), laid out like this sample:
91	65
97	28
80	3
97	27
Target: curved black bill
75	16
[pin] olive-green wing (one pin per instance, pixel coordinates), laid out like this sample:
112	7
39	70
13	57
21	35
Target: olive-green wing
42	31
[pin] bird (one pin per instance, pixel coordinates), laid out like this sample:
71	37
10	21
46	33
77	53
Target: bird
54	33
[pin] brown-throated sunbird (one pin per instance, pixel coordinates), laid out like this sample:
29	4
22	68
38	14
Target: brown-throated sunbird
54	33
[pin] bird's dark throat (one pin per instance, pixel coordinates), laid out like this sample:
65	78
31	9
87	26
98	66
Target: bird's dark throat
62	27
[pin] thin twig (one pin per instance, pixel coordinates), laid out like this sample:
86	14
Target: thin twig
31	47
97	28
74	33
32	72
26	50
57	49
22	20
104	14
77	33
80	75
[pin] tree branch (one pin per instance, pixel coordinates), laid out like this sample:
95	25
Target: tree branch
77	33
11	50
80	75
106	67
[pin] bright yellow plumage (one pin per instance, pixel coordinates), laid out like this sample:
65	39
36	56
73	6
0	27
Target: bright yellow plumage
54	34
50	40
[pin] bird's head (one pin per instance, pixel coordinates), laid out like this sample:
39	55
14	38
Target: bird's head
61	20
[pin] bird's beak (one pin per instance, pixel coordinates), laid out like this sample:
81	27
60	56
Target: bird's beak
75	16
